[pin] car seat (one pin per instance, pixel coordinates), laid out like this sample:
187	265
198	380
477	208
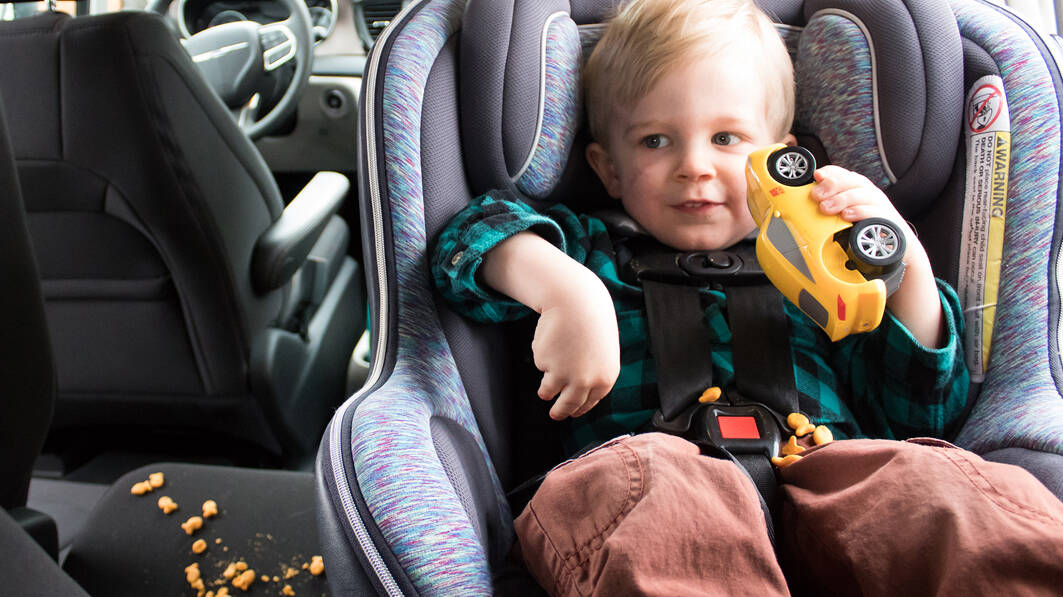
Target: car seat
181	292
459	98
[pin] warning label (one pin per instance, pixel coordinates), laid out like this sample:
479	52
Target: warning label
988	136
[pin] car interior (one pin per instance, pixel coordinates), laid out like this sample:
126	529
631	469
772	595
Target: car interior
216	215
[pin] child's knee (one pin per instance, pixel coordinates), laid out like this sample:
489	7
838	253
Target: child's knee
639	506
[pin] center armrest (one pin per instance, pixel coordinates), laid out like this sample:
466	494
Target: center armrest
285	245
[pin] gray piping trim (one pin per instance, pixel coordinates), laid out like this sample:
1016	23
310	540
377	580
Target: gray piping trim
542	95
874	82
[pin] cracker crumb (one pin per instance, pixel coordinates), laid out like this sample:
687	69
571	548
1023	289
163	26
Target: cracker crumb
230	571
264	578
243	582
156	480
290	572
241	566
141	488
192	524
317	565
199	546
305	565
276	578
222	592
218	541
288	590
192	573
167	505
210	508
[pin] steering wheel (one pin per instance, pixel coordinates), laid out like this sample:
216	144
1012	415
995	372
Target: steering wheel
241	57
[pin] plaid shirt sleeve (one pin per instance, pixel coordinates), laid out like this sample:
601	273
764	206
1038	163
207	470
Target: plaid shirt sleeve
487	221
900	388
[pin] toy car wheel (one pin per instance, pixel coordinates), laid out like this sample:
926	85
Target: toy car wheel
877	242
792	166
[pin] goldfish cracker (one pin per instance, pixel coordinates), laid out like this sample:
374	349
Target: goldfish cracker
822	435
785	461
192	524
791	447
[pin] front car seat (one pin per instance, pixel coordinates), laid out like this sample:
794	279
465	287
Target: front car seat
180	291
460	97
127	545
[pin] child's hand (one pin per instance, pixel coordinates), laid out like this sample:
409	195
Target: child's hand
577	347
915	302
576	344
855	198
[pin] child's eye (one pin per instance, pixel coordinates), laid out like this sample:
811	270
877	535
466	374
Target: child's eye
655	141
725	139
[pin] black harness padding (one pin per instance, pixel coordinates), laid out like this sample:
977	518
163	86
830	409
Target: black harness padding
680	344
680	339
760	341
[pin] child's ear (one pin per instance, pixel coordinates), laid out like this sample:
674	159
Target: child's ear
603	166
790	140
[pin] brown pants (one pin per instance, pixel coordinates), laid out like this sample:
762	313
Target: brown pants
649	515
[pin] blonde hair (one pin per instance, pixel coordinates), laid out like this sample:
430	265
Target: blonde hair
648	37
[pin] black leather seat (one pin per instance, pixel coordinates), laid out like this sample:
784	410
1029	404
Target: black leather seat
180	291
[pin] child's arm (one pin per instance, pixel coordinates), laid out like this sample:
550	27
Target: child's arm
576	343
915	303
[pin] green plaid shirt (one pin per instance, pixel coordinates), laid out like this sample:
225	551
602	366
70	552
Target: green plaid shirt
880	384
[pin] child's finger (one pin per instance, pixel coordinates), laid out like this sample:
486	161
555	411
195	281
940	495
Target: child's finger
593	398
569	402
843	200
857	212
834	181
550	386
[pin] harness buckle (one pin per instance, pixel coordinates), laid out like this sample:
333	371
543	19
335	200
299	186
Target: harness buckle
733	425
744	429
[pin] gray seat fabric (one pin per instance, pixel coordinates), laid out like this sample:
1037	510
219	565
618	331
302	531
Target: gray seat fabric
145	204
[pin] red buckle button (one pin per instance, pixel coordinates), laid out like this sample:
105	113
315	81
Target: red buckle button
738	427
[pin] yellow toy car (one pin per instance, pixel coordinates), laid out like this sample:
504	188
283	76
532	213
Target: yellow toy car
838	273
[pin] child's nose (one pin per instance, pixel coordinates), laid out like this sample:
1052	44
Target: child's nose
697	164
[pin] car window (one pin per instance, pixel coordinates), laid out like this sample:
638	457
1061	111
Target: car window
19	10
1043	14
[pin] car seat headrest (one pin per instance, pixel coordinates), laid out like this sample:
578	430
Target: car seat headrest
881	88
520	93
879	91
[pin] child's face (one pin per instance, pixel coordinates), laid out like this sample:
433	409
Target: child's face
676	159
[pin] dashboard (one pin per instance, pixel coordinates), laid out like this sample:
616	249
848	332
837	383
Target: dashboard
194	16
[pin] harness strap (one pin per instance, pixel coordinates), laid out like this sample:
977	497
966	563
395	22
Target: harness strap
680	343
760	332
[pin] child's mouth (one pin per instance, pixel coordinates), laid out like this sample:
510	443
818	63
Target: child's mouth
697	206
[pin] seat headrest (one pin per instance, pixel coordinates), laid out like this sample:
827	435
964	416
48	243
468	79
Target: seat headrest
520	93
879	90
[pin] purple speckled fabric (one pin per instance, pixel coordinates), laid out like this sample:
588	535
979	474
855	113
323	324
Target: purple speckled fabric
835	94
399	473
561	108
1020	405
